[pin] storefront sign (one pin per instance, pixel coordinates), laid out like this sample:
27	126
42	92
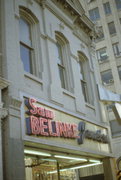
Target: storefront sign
41	123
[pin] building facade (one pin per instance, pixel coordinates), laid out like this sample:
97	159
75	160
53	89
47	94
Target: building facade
53	127
107	16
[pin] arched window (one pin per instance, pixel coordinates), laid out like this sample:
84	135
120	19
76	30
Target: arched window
63	61
26	49
84	76
29	41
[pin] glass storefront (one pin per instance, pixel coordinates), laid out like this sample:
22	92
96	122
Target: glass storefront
52	166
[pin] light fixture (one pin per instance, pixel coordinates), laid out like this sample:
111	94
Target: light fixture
87	165
26	151
76	167
94	161
71	158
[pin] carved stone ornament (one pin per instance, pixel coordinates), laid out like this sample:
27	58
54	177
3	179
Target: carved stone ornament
3	113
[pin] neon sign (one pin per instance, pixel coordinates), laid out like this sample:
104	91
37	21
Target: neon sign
41	123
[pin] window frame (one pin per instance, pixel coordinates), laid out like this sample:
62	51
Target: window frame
92	14
99	57
110	81
112	32
36	56
107	9
66	63
83	65
116	49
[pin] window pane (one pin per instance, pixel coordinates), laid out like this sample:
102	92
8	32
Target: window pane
25	32
107	77
84	90
102	54
61	73
116	49
94	14
118	4
107	8
100	34
119	71
111	28
59	54
115	127
26	58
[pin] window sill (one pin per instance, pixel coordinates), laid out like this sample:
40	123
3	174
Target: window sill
32	77
90	106
66	92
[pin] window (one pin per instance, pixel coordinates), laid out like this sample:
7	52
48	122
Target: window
107	77
119	71
107	8
111	28
29	42
63	61
84	72
118	4
61	66
115	128
100	34
102	55
94	14
116	49
25	45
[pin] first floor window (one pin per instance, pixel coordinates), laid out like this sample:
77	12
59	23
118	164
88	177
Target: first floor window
116	49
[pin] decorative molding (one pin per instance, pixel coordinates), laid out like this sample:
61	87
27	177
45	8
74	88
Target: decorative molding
15	102
3	113
3	83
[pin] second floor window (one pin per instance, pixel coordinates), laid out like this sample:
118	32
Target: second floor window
94	14
107	8
26	44
102	55
61	66
84	72
111	27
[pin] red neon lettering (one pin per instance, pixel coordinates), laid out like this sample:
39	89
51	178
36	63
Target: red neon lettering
44	127
35	125
69	130
33	111
75	132
62	129
50	129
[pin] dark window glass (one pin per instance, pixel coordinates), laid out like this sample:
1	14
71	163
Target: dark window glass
119	71
25	57
107	77
116	49
118	4
107	8
111	27
115	128
94	14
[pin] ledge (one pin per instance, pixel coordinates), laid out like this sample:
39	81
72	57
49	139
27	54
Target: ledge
3	83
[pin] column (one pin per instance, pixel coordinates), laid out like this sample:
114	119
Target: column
110	169
3	114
